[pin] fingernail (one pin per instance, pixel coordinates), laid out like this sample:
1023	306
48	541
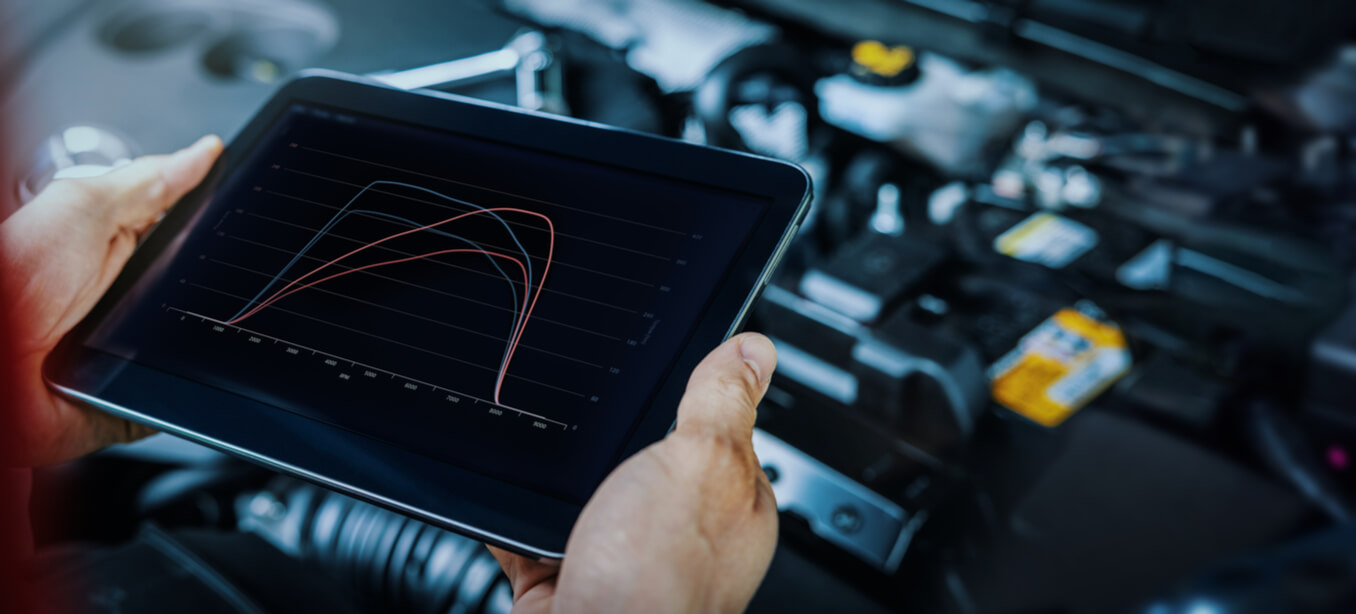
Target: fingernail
760	355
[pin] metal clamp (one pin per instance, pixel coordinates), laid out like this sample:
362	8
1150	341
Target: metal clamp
838	509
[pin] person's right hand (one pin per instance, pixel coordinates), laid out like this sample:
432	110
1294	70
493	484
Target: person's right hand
60	253
688	524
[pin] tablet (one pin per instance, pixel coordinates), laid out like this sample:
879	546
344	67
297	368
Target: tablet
458	310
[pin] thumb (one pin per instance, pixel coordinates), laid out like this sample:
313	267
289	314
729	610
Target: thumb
723	394
135	195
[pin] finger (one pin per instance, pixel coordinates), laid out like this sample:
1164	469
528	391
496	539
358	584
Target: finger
523	573
137	194
74	431
723	394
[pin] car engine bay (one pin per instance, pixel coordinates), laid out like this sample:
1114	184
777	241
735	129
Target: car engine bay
1069	328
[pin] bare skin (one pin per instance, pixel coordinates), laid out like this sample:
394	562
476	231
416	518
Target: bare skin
687	525
61	252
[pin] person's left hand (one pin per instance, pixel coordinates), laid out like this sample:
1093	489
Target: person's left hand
60	253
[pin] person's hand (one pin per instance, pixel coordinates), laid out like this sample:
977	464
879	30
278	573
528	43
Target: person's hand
689	524
59	254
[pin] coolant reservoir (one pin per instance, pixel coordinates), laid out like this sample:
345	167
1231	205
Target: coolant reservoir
946	114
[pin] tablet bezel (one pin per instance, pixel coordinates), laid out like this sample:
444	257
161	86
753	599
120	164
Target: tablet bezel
491	510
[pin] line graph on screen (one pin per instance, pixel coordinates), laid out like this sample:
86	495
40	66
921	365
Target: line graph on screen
523	308
387	275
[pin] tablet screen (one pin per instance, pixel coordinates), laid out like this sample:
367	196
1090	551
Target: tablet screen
505	310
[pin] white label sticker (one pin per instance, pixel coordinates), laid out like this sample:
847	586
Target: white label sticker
1046	239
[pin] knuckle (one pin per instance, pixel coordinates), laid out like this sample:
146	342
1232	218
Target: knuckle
739	386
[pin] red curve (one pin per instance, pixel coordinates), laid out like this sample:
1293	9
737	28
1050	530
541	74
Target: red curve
277	297
396	236
523	320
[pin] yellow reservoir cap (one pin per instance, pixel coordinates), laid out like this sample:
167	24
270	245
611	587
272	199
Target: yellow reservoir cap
881	59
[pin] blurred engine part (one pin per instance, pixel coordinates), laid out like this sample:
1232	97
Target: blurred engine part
530	58
1084	260
1124	512
254	40
391	563
1314	574
912	381
1189	66
677	42
1320	102
949	116
757	99
186	570
837	508
77	151
1288	452
1327	422
70	71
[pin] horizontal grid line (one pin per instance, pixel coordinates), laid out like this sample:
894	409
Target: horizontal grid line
426	288
556	262
367	366
393	341
471	185
412	315
446	264
515	223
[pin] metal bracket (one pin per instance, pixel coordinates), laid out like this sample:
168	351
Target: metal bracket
838	509
528	57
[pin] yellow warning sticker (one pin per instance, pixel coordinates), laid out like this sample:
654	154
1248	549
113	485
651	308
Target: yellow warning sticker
1060	366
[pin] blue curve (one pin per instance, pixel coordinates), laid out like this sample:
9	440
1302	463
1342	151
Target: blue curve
345	211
